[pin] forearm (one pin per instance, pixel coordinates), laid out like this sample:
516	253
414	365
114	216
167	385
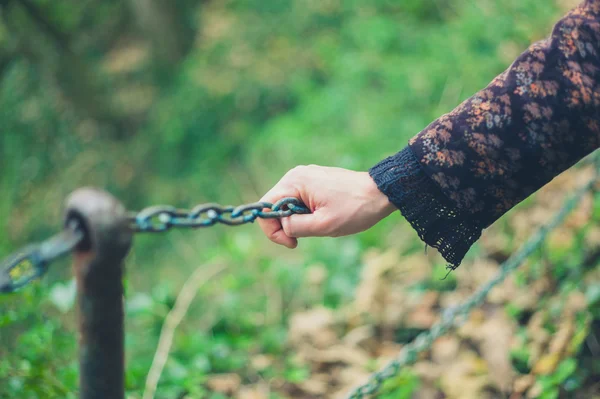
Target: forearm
467	168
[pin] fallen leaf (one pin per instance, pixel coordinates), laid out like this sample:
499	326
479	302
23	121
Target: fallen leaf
259	391
445	349
495	341
313	326
466	378
523	383
224	383
261	362
314	386
359	336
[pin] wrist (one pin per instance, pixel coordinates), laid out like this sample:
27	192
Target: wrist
378	200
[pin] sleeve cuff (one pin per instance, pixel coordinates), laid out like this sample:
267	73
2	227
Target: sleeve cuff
437	221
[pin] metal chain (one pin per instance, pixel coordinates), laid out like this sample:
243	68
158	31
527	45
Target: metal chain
33	261
157	219
454	316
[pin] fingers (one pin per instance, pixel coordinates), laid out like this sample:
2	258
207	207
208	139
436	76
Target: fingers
309	225
277	234
272	227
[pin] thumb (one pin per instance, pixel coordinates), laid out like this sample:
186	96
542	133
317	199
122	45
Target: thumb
305	225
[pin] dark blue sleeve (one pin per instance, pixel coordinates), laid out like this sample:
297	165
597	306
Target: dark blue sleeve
470	166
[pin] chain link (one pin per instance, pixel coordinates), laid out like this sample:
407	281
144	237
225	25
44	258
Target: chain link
33	261
157	219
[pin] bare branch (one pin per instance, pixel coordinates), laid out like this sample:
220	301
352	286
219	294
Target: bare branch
187	294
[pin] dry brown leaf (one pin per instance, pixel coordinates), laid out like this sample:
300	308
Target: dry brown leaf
348	378
224	383
560	340
493	333
261	362
417	267
428	392
428	372
359	336
387	351
535	391
315	386
453	298
495	341
466	378
259	391
372	290
471	328
504	292
313	326
528	297
576	302
422	318
476	274
445	349
422	314
383	276
523	383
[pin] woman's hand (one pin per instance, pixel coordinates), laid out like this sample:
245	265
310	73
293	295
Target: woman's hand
342	202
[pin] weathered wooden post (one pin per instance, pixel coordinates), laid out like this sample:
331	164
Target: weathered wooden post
98	267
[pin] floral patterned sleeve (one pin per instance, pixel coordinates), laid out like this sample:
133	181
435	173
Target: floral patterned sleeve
538	118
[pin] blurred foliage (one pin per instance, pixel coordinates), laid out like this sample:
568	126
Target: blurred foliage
191	101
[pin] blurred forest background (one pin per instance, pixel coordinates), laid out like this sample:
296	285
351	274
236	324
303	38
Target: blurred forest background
190	101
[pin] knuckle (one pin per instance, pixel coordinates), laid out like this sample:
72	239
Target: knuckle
273	237
287	227
297	170
288	231
294	175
